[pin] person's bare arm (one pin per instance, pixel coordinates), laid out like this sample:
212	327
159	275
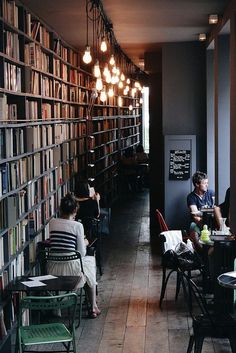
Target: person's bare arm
196	214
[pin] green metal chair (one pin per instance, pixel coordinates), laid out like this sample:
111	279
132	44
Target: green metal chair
60	256
46	333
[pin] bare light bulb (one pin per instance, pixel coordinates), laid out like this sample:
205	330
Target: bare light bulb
120	84
122	77
110	92
105	71
99	84
87	58
120	102
103	95
112	60
96	69
128	81
113	79
125	92
103	46
108	77
130	107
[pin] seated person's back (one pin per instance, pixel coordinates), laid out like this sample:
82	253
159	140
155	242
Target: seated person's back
88	206
140	155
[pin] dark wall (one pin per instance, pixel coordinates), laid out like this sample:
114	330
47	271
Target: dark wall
184	93
182	110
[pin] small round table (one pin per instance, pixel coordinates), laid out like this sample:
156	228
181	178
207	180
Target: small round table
227	280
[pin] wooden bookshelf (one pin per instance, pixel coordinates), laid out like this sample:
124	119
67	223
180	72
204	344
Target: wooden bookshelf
48	134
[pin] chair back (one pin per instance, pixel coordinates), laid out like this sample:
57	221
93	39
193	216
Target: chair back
57	255
162	224
37	303
170	239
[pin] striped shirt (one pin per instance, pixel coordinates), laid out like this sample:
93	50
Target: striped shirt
67	235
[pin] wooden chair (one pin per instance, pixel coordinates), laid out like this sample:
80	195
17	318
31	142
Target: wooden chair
204	322
47	333
161	221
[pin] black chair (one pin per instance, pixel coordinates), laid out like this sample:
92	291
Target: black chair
170	261
93	234
205	323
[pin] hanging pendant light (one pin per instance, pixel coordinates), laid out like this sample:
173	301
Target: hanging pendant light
103	46
99	84
103	95
87	58
105	71
120	101
112	60
108	77
111	92
96	70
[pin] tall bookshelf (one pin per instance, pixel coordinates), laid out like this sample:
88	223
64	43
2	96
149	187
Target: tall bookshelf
48	134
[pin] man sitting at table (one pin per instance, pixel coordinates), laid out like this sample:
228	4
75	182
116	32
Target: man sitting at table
201	198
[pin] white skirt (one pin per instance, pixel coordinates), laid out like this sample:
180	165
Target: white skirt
72	268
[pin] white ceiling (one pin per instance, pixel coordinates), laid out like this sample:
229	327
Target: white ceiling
139	25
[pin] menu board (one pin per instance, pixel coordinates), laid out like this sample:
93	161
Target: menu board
179	167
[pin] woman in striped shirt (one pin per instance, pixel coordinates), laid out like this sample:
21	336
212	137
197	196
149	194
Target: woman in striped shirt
67	234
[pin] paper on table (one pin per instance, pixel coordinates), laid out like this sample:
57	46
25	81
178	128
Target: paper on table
231	274
33	284
41	278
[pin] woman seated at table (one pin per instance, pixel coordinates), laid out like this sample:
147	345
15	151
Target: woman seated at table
68	234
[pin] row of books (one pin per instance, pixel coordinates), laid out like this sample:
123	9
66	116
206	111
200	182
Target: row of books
10	12
129	131
12	77
130	141
105	137
13	174
11	45
36	58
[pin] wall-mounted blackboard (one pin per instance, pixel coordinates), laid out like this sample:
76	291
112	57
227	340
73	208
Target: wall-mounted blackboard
179	166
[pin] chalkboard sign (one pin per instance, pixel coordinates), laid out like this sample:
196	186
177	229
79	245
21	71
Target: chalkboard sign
179	165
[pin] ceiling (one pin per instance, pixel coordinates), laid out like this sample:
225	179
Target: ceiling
139	25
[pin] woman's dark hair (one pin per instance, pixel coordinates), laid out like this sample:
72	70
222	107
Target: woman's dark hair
68	204
198	177
82	189
139	149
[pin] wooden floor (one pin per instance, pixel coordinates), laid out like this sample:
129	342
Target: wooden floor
131	321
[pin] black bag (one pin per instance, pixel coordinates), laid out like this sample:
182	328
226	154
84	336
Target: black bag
169	259
187	259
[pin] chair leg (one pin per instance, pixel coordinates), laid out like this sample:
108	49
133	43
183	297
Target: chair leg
190	344
178	282
164	284
198	344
